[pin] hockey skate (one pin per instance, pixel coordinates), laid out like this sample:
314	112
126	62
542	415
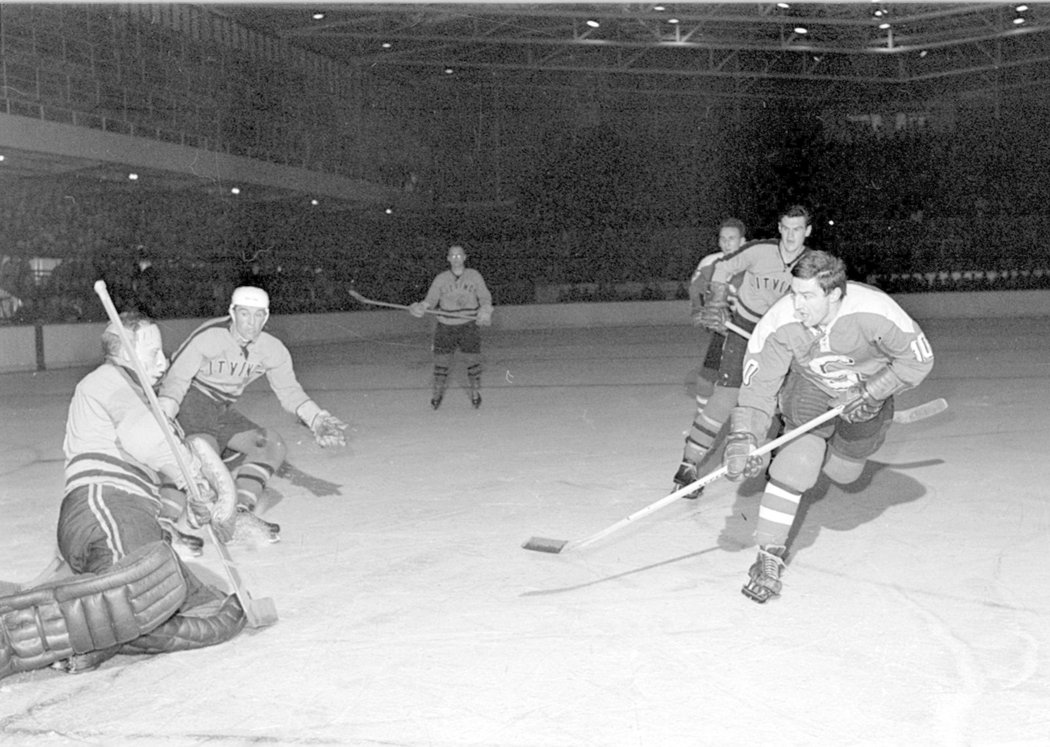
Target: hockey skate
252	528
475	398
435	400
764	575
686	475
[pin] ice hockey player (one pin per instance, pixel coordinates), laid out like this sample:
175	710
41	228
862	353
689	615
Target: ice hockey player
763	272
209	373
731	236
829	342
459	290
130	593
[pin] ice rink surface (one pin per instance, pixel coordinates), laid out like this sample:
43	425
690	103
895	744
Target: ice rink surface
913	609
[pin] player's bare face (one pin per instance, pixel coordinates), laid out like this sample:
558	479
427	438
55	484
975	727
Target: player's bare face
248	321
793	233
729	240
150	352
456	260
813	307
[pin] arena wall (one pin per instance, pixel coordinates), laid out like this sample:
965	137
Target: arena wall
73	345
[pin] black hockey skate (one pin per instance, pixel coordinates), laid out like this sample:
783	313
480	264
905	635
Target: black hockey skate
475	399
435	401
686	475
764	575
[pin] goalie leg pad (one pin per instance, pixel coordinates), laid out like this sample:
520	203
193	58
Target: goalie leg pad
89	612
195	628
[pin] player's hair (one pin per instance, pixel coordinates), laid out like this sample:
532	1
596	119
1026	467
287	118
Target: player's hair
829	270
733	223
797	211
132	321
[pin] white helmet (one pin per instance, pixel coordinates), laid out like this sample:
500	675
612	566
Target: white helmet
248	295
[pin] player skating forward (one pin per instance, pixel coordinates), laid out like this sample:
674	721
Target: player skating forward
458	289
731	235
764	270
209	373
130	593
828	343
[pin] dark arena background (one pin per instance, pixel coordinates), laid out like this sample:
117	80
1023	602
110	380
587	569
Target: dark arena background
584	155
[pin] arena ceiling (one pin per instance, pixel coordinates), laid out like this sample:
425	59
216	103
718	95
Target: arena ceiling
810	51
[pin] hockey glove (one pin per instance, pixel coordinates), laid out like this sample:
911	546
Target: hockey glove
223	505
738	461
418	309
198	502
872	395
715	313
484	317
328	430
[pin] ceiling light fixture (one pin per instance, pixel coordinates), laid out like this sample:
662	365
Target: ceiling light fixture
672	20
884	26
317	16
1021	8
593	24
801	30
1018	21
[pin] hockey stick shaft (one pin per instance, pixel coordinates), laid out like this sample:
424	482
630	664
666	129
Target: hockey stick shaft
738	330
258	612
541	544
556	546
436	312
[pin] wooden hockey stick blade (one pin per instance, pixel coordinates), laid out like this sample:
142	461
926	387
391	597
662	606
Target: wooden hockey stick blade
257	616
920	412
260	613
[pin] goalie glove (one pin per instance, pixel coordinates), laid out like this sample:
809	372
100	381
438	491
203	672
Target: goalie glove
715	312
199	501
872	394
328	430
222	507
738	461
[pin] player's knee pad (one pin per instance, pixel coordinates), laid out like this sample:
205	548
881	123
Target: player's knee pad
843	470
90	612
194	628
442	362
797	465
260	446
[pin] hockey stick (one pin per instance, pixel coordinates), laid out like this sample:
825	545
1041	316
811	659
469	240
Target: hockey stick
543	544
436	312
920	412
739	330
259	612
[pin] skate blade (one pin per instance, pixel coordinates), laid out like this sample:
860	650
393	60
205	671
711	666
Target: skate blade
756	593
